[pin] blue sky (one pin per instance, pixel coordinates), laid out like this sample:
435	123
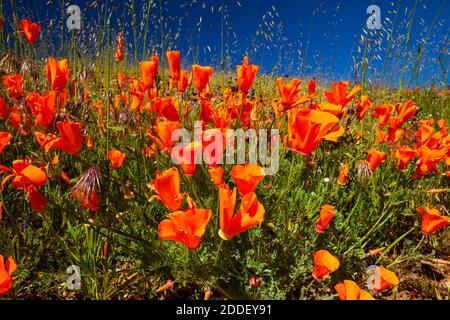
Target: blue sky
332	27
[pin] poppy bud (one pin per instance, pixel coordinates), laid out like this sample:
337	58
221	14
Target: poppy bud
168	285
255	283
208	295
324	264
327	214
106	250
343	175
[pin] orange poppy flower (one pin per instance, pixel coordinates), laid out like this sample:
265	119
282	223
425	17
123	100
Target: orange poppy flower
343	175
55	160
184	81
5	138
188	157
349	290
334	109
201	75
30	30
335	133
247	177
221	117
167	108
432	220
14	84
167	187
216	174
65	177
324	264
338	94
71	139
384	279
425	135
149	151
312	87
327	213
380	136
137	91
185	227
121	79
362	107
394	133
246	73
57	73
38	202
45	140
205	111
442	125
19	120
3	110
86	95
404	155
374	158
382	112
26	177
250	213
246	113
90	143
118	99
42	107
173	58
148	71
405	112
288	93
428	158
214	142
116	157
164	129
307	128
90	201
155	59
119	52
6	270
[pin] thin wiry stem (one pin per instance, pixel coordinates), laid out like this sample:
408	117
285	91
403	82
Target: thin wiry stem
424	41
408	38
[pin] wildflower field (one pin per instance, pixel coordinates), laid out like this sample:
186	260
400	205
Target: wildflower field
293	183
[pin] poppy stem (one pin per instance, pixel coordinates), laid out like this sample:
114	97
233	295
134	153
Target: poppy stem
241	106
286	212
3	207
222	291
420	243
305	289
58	103
197	198
395	242
147	18
219	248
108	79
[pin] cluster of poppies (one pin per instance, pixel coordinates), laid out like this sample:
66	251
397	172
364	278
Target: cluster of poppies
382	278
188	226
42	108
325	263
